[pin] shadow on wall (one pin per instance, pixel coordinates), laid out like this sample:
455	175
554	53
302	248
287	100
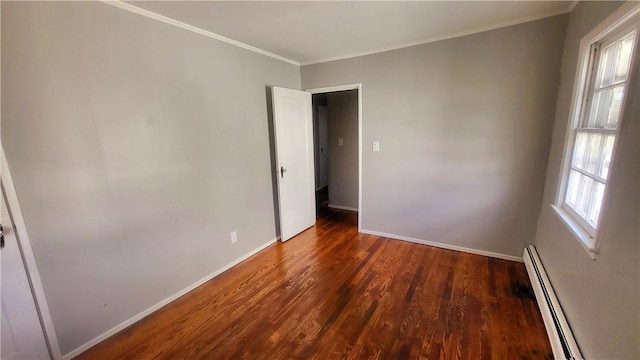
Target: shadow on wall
272	155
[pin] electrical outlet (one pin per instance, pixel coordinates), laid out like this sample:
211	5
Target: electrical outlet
234	237
340	141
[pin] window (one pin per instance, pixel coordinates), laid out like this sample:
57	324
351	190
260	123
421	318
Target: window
597	114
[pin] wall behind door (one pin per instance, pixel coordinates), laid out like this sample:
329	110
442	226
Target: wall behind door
343	160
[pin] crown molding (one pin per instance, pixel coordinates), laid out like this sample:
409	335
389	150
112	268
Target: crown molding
167	20
572	5
439	38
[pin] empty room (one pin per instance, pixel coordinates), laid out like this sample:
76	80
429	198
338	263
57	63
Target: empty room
320	179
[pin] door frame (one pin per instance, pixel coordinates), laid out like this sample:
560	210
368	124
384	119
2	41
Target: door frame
346	87
29	259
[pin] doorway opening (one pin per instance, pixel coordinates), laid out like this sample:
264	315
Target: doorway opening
337	149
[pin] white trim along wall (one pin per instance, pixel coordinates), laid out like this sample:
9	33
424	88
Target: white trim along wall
444	246
197	30
167	20
141	315
440	38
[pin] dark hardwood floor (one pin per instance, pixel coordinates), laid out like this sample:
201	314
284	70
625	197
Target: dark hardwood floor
333	293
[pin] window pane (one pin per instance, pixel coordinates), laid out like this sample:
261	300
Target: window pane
614	62
594	212
593	153
613	116
584	195
605	108
599	103
606	156
572	188
606	66
580	150
624	58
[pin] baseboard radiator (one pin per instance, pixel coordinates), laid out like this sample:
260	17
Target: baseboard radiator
563	343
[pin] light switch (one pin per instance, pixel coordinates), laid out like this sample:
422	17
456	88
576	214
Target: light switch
340	141
376	146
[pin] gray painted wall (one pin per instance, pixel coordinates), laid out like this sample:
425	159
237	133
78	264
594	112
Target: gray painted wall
136	148
601	298
464	127
343	160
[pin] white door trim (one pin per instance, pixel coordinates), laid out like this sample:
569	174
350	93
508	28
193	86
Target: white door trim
344	88
30	260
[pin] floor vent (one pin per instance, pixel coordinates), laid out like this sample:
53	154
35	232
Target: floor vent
563	344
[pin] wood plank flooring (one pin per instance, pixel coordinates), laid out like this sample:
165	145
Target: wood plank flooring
332	293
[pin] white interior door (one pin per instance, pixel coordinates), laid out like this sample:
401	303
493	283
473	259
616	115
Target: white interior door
21	332
293	124
323	138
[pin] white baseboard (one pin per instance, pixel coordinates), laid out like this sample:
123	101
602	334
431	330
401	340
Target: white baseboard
444	246
340	207
123	325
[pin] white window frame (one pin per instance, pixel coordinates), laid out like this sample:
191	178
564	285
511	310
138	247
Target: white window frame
625	17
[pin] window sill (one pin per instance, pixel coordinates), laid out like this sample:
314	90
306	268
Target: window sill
586	240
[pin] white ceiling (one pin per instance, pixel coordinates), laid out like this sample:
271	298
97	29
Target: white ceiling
315	31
